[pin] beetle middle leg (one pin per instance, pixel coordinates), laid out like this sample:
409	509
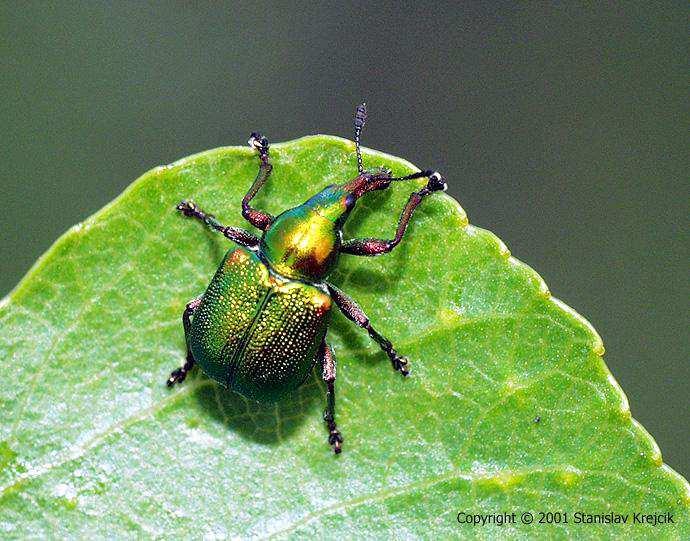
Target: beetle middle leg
353	312
235	234
178	375
328	374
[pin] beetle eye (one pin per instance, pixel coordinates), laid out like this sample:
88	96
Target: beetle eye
350	201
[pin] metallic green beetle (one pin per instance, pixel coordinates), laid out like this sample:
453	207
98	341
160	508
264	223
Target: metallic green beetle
261	325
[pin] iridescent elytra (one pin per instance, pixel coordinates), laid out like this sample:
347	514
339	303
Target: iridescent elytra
261	325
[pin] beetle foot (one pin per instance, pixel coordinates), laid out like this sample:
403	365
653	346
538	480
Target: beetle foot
177	376
401	364
188	208
336	440
258	142
437	182
334	437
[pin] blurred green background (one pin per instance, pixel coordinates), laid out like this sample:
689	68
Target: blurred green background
562	129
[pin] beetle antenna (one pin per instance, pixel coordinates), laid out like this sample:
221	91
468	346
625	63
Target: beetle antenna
360	120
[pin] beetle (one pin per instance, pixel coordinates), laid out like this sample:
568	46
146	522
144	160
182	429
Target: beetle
260	327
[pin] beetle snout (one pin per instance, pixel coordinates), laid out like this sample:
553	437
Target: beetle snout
379	179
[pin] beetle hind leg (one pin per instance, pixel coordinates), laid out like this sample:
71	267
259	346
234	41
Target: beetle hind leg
179	374
335	439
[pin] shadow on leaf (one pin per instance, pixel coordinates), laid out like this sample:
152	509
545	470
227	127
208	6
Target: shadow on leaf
263	423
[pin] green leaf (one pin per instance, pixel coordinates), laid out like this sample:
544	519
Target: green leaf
509	408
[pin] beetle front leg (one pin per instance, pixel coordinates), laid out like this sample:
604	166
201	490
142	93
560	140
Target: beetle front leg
372	247
235	234
354	313
255	217
328	374
178	375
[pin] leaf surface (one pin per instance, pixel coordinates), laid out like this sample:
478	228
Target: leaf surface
509	408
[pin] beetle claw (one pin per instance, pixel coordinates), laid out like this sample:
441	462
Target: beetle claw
336	440
258	142
437	182
401	364
188	208
176	376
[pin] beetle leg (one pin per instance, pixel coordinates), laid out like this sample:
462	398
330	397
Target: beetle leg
353	312
178	375
328	374
235	234
371	247
255	217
